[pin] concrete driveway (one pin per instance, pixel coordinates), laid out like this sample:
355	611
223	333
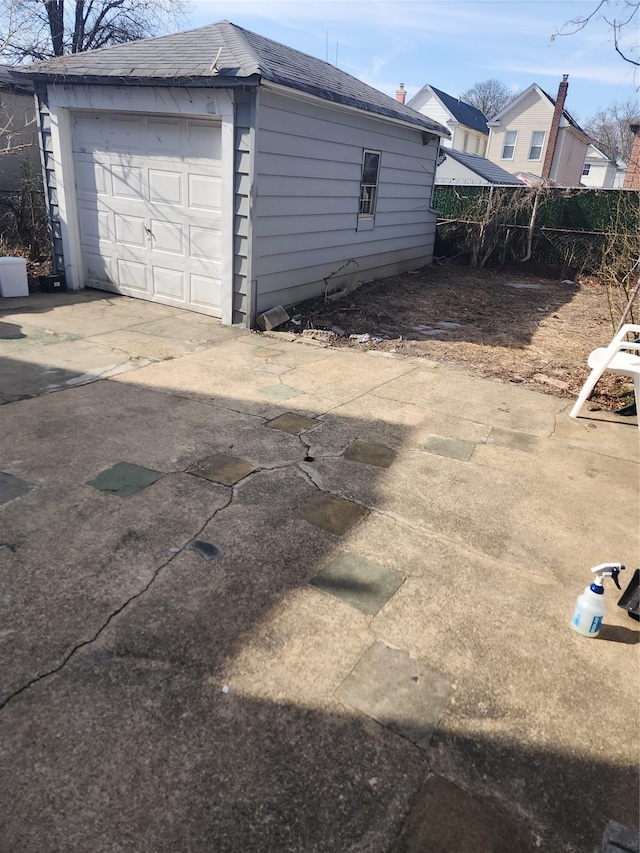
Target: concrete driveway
261	595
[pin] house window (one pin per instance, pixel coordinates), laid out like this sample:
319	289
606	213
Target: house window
537	141
509	144
586	169
466	142
369	183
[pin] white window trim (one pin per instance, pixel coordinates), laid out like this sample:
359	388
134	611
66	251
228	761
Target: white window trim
368	217
541	146
504	144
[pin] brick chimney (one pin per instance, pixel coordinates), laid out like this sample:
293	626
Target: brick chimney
400	93
555	126
632	178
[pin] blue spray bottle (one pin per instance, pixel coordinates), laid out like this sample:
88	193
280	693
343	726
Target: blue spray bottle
590	607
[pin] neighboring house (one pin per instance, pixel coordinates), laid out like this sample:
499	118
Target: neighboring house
222	172
601	171
18	136
468	126
458	167
535	134
632	178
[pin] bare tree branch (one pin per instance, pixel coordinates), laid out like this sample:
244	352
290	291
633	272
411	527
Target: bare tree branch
619	26
43	28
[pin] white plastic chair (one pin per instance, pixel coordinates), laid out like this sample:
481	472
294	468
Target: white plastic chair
619	357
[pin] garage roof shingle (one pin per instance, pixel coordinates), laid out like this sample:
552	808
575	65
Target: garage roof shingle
246	58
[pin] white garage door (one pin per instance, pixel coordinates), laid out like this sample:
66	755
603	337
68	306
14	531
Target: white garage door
149	204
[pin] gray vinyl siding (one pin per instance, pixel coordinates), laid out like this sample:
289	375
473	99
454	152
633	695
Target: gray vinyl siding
305	213
244	136
49	178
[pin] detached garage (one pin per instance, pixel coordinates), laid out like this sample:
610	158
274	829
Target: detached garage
224	173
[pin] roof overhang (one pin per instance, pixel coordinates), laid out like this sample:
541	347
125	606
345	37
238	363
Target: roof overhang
195	82
420	123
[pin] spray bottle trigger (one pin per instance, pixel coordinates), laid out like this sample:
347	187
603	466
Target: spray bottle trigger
614	577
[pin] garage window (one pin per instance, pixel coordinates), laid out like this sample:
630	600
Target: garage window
369	183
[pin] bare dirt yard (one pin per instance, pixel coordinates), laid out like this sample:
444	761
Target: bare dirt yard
510	326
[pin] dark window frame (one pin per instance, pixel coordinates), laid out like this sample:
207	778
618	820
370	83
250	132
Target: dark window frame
369	183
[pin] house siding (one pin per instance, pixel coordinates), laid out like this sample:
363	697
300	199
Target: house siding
531	114
428	105
568	159
244	138
50	180
305	214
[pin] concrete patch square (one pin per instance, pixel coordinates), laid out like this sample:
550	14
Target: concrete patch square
447	819
292	423
335	515
370	453
398	691
124	479
359	582
281	392
223	469
13	487
513	439
453	448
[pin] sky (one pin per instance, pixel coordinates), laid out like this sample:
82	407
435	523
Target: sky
450	44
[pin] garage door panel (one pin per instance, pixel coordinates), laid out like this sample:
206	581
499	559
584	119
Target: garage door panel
125	134
99	268
165	187
132	275
205	290
169	283
130	230
204	243
205	192
91	177
149	200
167	237
163	137
126	182
202	140
95	225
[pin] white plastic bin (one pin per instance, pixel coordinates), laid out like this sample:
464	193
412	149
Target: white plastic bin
13	277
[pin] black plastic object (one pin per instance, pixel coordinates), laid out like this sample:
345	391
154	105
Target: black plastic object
630	598
207	550
53	283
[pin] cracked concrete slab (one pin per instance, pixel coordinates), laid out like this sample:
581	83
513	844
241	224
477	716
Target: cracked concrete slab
110	626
